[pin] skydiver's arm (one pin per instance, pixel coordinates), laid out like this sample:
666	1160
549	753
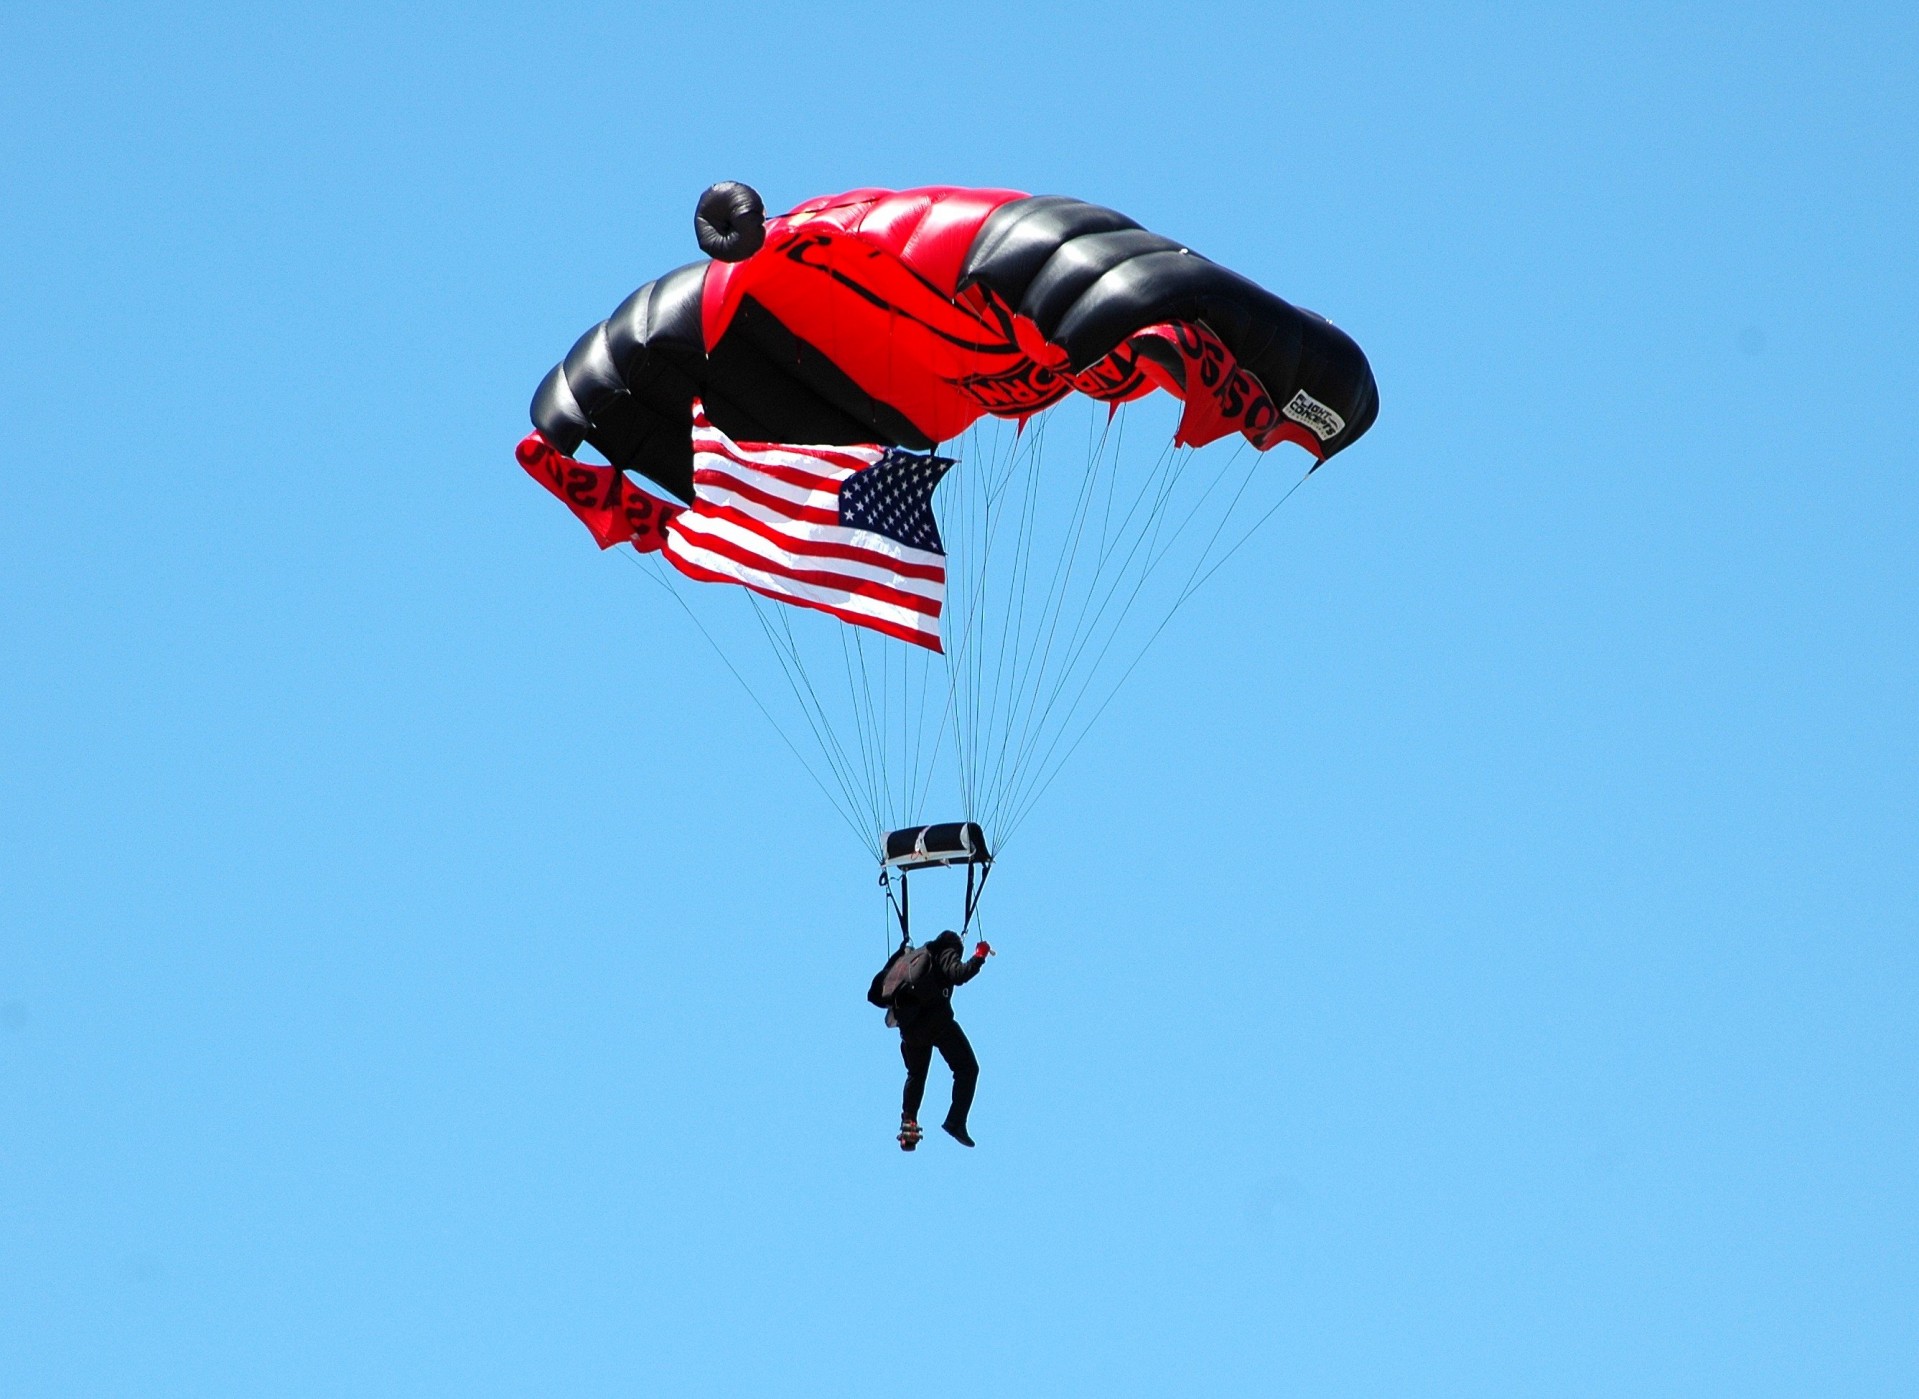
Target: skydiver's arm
960	971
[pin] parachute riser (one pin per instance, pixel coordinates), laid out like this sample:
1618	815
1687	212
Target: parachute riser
974	893
901	905
976	876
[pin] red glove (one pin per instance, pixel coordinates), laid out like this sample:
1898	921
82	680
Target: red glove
982	952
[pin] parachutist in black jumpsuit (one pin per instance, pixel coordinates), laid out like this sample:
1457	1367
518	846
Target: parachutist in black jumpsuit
927	1024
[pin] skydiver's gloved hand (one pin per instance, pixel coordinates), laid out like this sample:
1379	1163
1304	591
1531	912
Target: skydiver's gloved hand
983	951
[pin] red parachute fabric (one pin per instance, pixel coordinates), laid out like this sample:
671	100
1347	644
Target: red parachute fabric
871	279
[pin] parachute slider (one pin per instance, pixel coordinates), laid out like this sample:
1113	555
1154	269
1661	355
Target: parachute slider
730	221
931	847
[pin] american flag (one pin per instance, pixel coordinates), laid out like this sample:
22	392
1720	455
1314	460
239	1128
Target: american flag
846	530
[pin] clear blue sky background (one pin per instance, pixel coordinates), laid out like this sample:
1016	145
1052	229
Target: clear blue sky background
1477	957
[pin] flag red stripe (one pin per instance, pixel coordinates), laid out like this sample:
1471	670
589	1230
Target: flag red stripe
819	578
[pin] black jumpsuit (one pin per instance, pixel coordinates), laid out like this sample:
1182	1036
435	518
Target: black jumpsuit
928	1024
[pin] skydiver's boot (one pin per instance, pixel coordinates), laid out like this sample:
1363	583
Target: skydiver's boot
957	1131
909	1134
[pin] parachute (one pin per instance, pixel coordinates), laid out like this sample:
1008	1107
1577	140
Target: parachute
891	323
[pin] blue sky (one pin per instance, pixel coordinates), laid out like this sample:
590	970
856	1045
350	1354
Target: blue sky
1476	956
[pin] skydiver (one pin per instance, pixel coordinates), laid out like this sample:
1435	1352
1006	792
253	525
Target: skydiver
921	1005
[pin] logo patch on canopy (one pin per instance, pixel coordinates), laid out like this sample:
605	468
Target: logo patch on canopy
1305	409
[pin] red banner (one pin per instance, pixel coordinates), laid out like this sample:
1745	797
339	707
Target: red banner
612	507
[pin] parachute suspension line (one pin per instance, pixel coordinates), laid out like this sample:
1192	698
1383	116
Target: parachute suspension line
976	523
1195	581
863	723
956	525
978	519
1046	678
968	500
883	716
1014	639
969	678
1225	516
863	710
1194	585
925	754
1155	555
1031	672
1043	736
858	778
876	718
1162	480
1038	664
895	714
927	763
923	761
863	770
845	813
897	726
1112	487
1097	633
1005	698
825	735
905	729
979	718
1015	801
977	506
794	671
804	694
981	538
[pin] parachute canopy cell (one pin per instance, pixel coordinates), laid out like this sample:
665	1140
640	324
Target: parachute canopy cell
902	317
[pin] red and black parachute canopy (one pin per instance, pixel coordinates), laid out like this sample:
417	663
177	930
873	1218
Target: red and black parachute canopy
901	317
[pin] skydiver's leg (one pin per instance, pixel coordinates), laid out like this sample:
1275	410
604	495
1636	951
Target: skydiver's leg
918	1057
958	1054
